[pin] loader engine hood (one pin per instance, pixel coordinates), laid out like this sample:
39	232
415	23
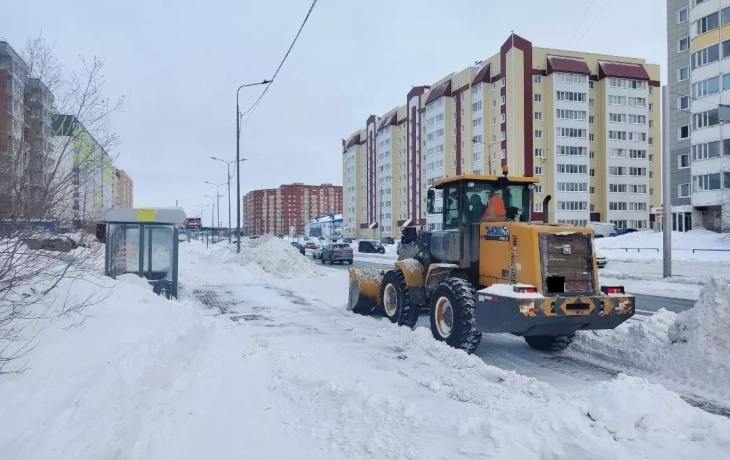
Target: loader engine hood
557	259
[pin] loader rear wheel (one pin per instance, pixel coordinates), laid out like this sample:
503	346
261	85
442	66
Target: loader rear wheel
395	296
453	315
549	342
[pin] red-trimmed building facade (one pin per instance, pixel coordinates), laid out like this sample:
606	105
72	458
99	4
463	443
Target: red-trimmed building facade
586	124
280	210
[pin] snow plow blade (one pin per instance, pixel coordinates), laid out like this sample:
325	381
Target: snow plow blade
364	296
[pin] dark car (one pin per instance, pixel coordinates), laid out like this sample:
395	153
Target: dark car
387	240
625	231
310	245
298	246
371	247
337	252
347	240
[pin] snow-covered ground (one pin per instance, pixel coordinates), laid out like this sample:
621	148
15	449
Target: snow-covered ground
258	359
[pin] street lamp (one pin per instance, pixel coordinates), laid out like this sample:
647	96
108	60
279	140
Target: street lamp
218	195
229	163
489	151
212	211
238	163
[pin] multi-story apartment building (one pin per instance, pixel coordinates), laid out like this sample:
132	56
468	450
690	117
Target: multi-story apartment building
279	211
13	144
89	194
586	124
122	190
698	44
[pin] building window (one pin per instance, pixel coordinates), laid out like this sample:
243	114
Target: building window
683	74
538	170
685	190
504	118
538	79
538	116
591	137
683	103
706	56
684	132
682	44
684	161
682	15
592	154
591	84
591	120
538	97
539	153
504	100
538	134
538	207
708	23
592	191
591	102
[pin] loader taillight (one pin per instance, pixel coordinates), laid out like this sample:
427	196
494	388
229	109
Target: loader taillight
611	290
525	289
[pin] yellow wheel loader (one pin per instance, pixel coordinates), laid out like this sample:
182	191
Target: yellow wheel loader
490	268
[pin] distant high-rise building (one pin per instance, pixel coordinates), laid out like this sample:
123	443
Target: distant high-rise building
587	125
277	211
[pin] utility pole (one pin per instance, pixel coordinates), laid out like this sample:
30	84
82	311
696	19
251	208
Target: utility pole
666	185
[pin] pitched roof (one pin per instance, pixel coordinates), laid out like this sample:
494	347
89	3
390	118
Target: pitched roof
567	64
444	89
622	70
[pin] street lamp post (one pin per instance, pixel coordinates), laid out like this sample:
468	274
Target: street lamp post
229	163
238	163
489	151
218	195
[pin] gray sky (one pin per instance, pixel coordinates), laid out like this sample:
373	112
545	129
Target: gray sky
181	62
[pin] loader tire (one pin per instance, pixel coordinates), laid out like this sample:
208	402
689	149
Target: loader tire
550	342
394	296
453	315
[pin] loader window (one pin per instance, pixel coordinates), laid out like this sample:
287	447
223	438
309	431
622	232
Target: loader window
517	201
452	201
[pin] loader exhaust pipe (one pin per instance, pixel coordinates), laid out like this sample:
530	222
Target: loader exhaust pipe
546	209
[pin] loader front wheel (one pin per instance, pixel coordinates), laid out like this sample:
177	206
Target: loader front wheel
550	342
453	315
394	295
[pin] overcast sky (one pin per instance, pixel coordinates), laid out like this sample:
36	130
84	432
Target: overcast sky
181	62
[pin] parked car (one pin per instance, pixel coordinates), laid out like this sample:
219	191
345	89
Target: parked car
602	229
317	252
601	261
337	252
624	231
370	246
310	245
387	240
347	240
298	246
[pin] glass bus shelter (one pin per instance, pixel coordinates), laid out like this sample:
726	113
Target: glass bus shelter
145	242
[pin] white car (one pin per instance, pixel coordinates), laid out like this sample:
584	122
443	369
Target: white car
601	260
317	252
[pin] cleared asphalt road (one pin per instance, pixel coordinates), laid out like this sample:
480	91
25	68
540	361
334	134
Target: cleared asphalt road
645	304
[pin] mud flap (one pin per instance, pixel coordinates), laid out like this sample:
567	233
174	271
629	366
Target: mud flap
364	295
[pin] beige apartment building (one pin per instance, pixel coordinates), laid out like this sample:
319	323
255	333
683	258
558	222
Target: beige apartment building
588	125
122	190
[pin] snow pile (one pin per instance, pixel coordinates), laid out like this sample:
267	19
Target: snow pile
691	346
624	247
276	257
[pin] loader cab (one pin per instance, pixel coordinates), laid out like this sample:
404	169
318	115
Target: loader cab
470	199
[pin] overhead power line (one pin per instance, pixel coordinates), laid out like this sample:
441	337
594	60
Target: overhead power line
577	27
594	20
253	107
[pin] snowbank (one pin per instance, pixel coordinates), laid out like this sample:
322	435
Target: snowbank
690	347
651	245
276	257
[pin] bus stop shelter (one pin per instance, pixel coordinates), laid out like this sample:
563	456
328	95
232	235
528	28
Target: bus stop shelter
144	241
